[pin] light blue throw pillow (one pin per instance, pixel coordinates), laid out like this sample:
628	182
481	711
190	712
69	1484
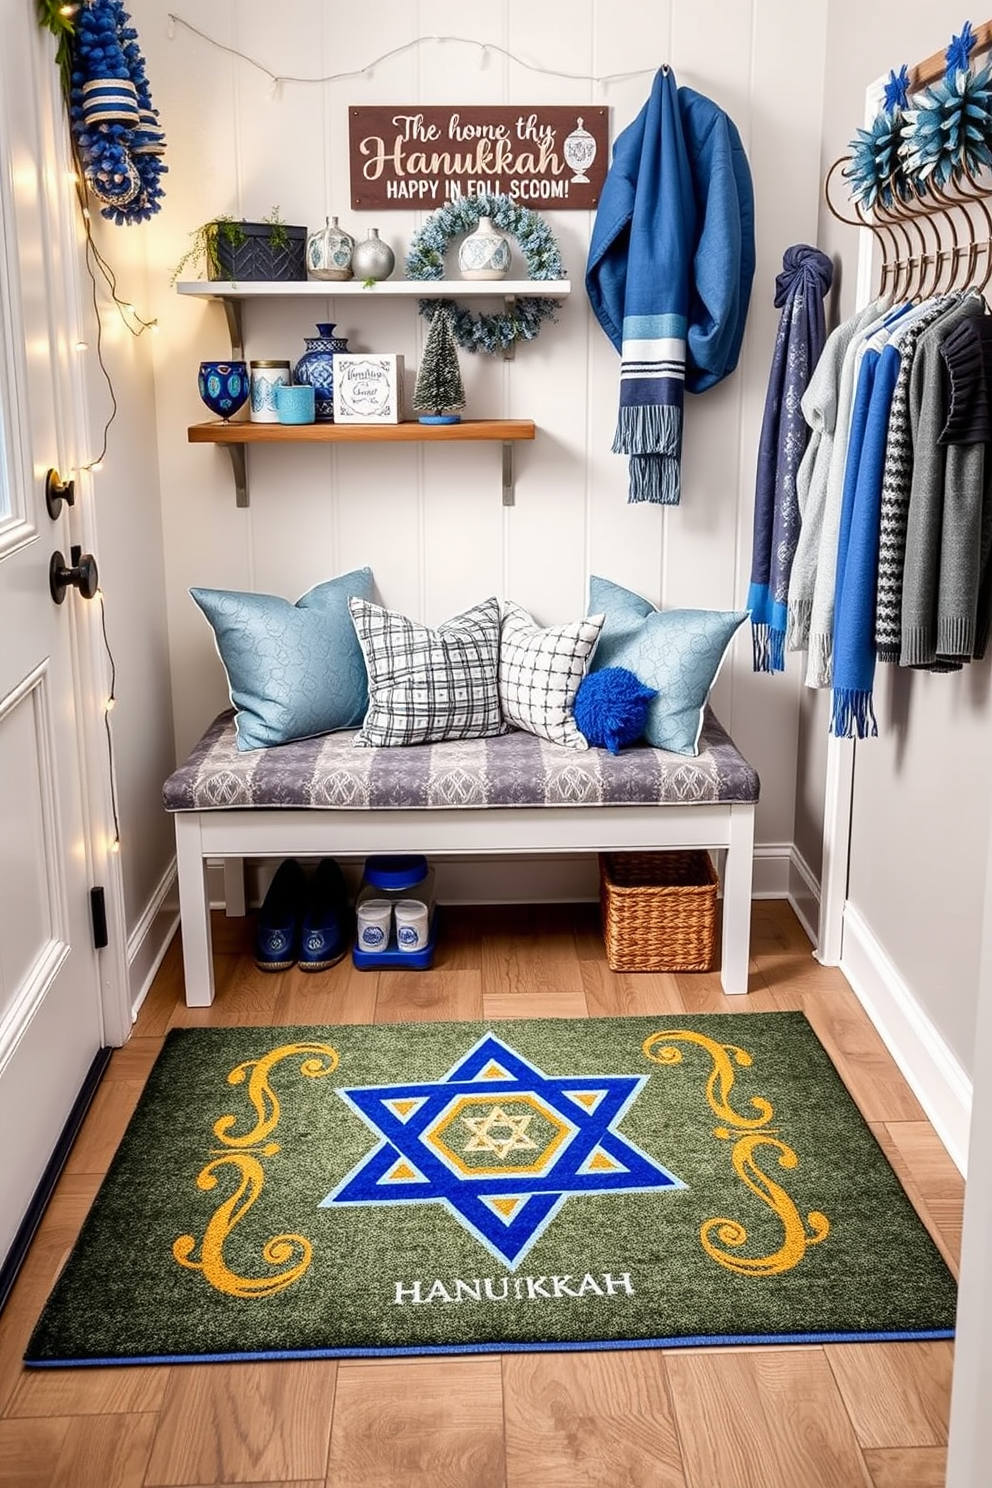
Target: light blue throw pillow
677	652
293	670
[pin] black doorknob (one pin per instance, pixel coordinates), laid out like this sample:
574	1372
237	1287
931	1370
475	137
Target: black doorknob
56	491
82	575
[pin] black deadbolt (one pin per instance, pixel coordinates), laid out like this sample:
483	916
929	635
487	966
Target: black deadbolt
56	491
82	575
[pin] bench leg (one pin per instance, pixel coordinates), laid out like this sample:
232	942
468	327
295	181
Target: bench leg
234	888
194	911
737	879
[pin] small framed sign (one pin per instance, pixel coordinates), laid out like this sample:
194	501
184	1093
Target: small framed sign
368	388
405	155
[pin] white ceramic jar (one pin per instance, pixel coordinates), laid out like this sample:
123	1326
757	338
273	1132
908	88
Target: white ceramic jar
485	253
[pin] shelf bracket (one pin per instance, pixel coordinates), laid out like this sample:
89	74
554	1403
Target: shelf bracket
232	312
509	498
239	464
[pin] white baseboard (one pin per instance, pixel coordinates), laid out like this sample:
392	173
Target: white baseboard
936	1078
149	940
562	879
804	893
771	870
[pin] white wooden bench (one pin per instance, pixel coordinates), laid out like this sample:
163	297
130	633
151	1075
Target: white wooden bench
513	794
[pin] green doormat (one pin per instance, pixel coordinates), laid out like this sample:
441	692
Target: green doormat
462	1187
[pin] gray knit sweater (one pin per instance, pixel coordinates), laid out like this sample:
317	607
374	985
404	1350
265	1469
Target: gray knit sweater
932	573
965	530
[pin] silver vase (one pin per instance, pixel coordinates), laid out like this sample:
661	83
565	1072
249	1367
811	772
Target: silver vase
373	259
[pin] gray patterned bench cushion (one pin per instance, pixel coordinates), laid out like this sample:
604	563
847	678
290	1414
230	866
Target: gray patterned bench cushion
514	769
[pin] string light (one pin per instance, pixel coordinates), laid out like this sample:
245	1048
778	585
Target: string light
367	71
108	707
95	263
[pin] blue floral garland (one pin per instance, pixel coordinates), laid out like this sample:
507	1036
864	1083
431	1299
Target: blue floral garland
120	160
948	129
488	333
876	169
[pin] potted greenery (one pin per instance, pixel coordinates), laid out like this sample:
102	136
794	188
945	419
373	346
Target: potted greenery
231	249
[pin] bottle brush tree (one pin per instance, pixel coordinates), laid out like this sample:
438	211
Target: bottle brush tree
439	389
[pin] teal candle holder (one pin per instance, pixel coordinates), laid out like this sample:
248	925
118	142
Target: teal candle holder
295	403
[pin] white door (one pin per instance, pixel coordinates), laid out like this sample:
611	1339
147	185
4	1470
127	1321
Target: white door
50	1001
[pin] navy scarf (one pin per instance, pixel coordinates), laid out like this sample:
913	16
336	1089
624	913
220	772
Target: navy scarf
799	292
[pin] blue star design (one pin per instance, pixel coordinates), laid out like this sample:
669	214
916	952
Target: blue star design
419	1126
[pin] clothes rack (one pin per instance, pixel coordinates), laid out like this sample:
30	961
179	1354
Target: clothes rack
937	239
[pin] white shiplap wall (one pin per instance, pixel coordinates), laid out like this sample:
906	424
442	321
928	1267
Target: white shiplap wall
429	520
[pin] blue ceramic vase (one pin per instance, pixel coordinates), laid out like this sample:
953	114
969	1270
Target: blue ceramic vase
223	386
316	367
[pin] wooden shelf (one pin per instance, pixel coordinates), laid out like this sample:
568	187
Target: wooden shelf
243	432
231	294
236	436
424	289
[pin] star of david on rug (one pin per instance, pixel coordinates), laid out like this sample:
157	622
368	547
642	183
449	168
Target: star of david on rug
500	1144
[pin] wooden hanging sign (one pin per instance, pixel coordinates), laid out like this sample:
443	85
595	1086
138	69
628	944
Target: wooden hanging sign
406	155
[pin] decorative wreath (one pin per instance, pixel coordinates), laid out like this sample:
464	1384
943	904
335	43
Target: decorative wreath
115	129
425	260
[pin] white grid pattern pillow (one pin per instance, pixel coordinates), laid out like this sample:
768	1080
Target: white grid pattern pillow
426	685
540	671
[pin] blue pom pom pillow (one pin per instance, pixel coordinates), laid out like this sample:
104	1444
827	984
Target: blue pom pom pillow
293	670
677	652
611	708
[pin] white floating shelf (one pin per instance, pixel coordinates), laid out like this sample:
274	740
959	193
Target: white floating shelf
429	289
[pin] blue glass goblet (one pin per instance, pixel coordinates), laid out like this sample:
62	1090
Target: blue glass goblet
223	386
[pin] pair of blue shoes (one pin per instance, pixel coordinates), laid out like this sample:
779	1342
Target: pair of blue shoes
303	921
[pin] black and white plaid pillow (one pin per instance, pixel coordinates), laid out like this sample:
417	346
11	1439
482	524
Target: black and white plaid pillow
426	685
540	671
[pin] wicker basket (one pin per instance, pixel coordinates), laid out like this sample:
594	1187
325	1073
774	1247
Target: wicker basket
659	910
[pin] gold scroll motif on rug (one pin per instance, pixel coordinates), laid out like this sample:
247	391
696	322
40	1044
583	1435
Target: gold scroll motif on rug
798	1234
291	1252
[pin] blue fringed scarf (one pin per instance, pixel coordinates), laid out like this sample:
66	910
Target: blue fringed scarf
799	292
852	713
669	271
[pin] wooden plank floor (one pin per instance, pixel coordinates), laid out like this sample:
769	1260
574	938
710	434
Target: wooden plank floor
846	1416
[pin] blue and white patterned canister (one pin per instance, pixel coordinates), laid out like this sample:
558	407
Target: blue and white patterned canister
484	254
265	378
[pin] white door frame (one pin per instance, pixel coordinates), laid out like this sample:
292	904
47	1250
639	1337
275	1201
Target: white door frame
70	310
